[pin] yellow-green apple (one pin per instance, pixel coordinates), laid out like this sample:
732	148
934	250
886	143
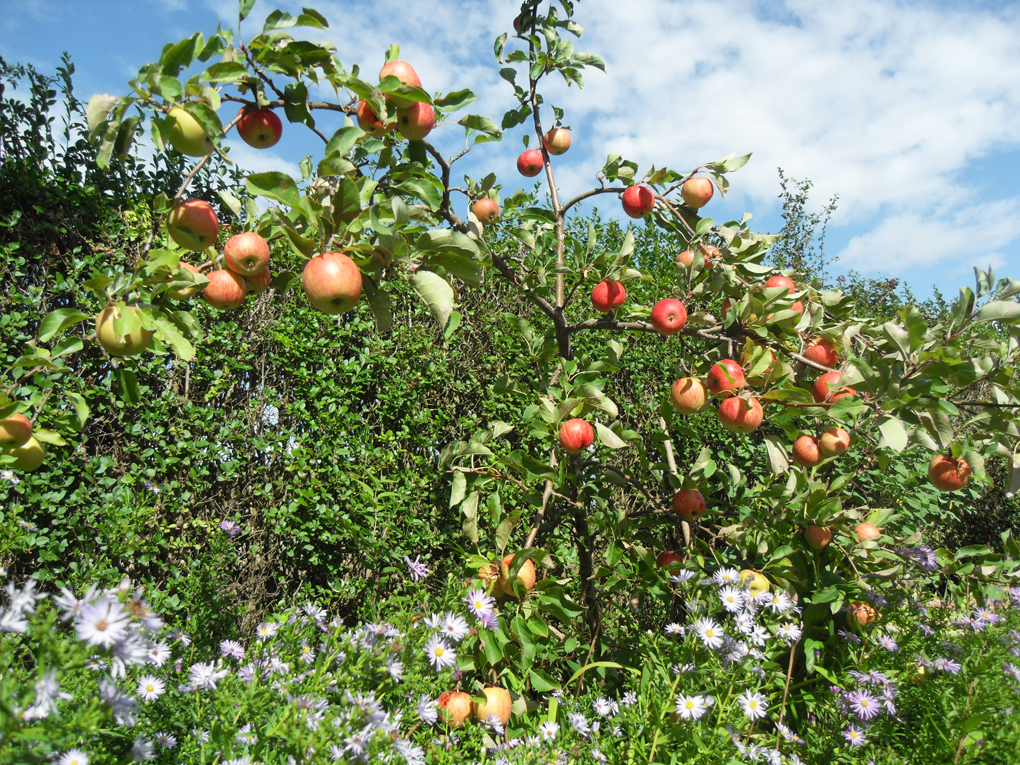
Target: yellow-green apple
607	295
226	290
947	473
667	558
15	430
332	282
821	351
638	201
806	451
755	581
455	708
193	224
669	316
404	72
526	576
689	504
246	253
530	163
186	292
130	344
557	141
260	128
697	192
688	395
834	442
29	456
260	282
497	703
486	210
825	388
817	537
576	435
415	121
187	134
739	415
369	121
866	531
725	377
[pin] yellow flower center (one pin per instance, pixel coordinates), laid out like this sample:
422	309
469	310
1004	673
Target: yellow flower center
690	705
439	652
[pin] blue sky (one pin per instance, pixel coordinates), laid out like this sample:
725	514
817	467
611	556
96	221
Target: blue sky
909	111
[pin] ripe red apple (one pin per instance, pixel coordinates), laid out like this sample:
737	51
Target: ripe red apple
27	457
530	163
497	703
332	282
948	474
710	254
260	128
689	504
825	388
697	192
193	224
667	558
187	292
415	121
834	442
225	290
260	282
455	708
669	316
821	351
688	395
866	531
725	377
404	72
685	259
576	435
246	254
739	415
369	121
638	201
486	210
806	451
526	576
817	537
15	431
782	281
557	141
607	295
130	344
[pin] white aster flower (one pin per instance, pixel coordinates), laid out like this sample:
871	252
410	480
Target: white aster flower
755	705
439	653
455	628
549	730
711	634
73	757
150	688
726	576
691	707
732	599
102	623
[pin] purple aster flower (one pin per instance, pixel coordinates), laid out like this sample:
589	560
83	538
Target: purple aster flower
863	704
418	569
490	620
947	665
849	637
855	736
479	603
231	528
926	629
888	643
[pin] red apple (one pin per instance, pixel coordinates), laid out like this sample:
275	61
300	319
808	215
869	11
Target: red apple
821	351
739	415
710	253
667	558
193	224
806	451
526	576
638	201
689	504
404	72
607	295
225	290
866	531
530	163
834	442
685	259
825	388
15	431
260	282
798	307
817	537
725	377
369	121
576	435
332	282
455	708
246	254
782	281
948	474
669	316
486	210
260	128
697	192
557	141
688	395
415	121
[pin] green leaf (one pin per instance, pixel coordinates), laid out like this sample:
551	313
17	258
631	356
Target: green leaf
381	305
470	509
275	185
48	437
128	384
481	124
179	56
436	292
593	665
999	310
542	682
459	489
57	321
225	71
80	407
295	104
451	102
778	460
505	530
245	9
344	139
98	109
894	434
608	438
